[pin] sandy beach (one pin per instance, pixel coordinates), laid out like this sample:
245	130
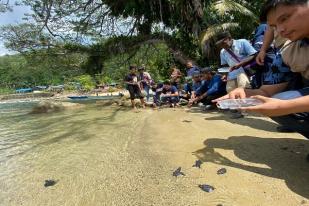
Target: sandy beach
113	156
263	167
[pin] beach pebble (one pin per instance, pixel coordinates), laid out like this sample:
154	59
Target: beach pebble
221	171
207	188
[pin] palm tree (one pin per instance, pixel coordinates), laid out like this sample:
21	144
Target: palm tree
225	15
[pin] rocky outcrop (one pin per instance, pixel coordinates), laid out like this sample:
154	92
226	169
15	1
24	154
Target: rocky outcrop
51	106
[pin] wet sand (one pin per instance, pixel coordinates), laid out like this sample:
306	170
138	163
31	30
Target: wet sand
118	157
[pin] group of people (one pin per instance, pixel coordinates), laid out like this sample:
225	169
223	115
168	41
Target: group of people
138	80
273	68
199	86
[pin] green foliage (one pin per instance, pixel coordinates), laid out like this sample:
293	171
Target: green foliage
156	58
101	79
86	81
38	68
149	32
6	91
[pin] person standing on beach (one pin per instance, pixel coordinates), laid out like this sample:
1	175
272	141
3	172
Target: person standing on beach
146	80
134	86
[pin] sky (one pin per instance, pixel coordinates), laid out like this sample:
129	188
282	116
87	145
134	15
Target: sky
13	17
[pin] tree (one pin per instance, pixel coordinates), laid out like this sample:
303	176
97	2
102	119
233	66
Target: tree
182	24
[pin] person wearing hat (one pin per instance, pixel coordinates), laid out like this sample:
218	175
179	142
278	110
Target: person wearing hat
233	53
196	83
145	80
191	69
131	80
212	88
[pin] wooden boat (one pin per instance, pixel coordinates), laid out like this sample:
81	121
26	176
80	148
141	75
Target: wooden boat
24	90
77	97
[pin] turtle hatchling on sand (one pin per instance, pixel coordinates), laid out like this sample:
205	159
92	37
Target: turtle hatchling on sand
49	183
178	172
198	164
207	188
221	171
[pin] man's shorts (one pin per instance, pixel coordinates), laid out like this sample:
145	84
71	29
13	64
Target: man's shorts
135	92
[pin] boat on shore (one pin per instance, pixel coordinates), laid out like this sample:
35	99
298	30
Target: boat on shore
105	97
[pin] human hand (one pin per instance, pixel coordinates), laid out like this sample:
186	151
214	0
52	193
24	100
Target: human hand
234	67
238	93
224	78
270	107
260	57
192	101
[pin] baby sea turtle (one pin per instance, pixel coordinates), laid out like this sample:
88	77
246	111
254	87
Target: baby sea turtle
178	172
207	188
197	164
49	183
284	148
187	121
221	171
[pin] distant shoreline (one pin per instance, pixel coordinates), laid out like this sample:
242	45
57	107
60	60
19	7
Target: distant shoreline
54	96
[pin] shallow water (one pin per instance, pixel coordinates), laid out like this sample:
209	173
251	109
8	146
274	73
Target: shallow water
83	149
98	156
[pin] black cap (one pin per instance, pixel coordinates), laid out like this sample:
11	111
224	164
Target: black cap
222	36
206	70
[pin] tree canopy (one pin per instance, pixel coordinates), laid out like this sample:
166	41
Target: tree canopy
103	29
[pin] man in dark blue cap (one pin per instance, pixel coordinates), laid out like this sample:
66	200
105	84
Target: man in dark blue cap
210	89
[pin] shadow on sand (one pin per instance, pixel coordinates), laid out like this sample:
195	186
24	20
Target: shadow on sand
249	121
285	157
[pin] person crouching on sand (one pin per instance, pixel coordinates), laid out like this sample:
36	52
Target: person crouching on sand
170	94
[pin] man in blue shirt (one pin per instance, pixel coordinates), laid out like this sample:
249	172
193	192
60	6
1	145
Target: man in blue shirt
196	83
157	89
233	53
191	70
169	94
211	89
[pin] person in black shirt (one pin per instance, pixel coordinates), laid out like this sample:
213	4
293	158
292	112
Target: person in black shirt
134	86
